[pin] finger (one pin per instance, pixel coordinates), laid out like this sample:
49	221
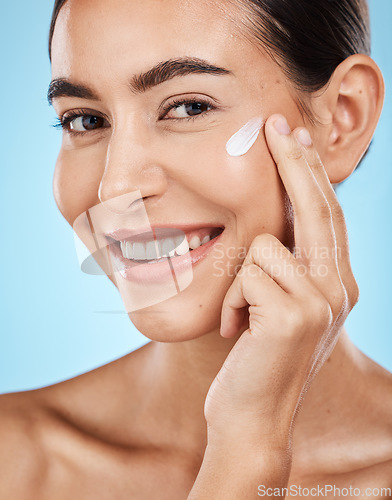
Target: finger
338	220
314	234
267	252
313	221
251	287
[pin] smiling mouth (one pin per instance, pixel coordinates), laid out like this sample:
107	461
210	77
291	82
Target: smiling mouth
157	245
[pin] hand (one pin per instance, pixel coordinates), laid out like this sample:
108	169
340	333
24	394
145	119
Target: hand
296	304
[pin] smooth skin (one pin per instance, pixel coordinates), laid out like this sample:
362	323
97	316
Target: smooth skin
205	410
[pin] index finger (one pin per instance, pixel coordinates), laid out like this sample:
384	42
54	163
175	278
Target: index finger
315	240
338	221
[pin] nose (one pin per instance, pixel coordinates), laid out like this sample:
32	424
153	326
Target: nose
133	171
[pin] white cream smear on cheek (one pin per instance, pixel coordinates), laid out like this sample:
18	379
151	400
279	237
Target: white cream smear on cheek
241	142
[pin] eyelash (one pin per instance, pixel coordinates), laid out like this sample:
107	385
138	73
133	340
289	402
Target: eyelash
64	121
176	103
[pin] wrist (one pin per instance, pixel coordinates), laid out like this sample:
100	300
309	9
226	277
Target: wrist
254	457
252	438
233	470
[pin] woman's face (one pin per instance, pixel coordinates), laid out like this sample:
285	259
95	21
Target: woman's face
174	154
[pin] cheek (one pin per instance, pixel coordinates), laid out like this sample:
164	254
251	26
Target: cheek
249	186
76	179
254	191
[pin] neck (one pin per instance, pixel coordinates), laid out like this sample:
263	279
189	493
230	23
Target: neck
178	376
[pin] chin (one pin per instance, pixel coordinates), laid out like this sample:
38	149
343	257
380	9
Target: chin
186	316
194	311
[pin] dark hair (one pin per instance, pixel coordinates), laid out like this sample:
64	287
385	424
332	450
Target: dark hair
307	38
56	9
310	38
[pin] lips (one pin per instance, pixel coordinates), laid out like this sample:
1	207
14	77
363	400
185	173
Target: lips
145	256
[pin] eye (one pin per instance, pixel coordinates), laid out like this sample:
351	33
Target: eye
80	122
85	123
187	109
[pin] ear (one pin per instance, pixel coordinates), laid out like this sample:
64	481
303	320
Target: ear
349	109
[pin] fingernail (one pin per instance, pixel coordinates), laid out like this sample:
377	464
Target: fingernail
281	126
304	138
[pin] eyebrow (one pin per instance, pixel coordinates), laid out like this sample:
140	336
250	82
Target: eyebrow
160	73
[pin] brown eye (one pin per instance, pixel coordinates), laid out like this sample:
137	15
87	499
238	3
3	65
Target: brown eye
189	109
85	123
195	108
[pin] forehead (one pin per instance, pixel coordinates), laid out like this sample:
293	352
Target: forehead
122	35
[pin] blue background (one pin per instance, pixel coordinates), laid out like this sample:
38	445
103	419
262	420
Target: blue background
52	324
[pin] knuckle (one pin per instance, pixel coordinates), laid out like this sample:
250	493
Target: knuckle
263	246
323	211
321	311
353	292
242	273
251	271
337	211
263	238
247	275
337	301
317	164
311	317
294	154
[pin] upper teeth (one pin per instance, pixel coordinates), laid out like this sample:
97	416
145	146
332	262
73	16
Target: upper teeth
156	249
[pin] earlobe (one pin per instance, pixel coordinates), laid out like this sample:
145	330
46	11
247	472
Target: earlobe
354	97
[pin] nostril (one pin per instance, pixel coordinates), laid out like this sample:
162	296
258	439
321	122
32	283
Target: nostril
136	204
123	204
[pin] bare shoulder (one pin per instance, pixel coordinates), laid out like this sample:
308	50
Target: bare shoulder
22	461
351	442
45	432
376	392
374	415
